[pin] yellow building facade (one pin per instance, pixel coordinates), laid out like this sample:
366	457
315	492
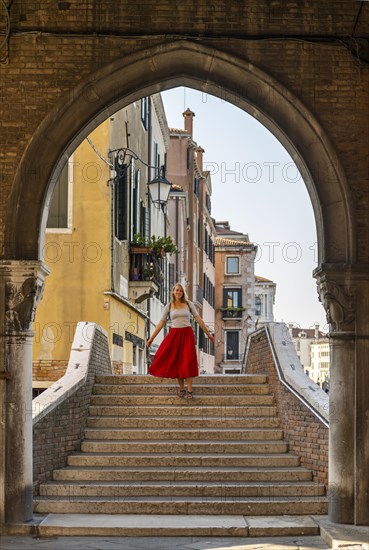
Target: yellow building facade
87	248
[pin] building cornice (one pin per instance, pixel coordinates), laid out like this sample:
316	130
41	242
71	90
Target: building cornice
126	302
160	113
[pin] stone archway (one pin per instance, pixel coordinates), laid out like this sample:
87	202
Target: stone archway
239	82
202	68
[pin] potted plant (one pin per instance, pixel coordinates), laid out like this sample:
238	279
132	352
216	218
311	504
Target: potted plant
162	245
155	245
139	245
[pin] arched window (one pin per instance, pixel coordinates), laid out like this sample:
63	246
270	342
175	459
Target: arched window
258	304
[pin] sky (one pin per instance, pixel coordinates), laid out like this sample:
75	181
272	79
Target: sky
256	187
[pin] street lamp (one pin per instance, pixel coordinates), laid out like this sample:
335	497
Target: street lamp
159	189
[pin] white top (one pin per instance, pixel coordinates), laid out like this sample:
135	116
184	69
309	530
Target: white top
180	318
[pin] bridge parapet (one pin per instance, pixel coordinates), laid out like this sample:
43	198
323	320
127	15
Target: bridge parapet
303	407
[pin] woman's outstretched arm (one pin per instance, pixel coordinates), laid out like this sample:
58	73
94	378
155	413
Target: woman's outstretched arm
201	323
158	328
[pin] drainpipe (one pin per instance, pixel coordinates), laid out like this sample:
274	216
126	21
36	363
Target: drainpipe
177	237
149	139
112	189
112	184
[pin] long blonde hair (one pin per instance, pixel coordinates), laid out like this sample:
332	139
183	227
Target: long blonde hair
184	298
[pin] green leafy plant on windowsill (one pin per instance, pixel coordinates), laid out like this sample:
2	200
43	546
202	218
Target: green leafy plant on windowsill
232	312
139	240
157	245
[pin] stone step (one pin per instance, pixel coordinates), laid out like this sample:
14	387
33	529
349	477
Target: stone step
172	389
182	505
180	488
199	474
181	460
146	451
185	408
165	400
199	434
177	526
181	422
184	447
222	379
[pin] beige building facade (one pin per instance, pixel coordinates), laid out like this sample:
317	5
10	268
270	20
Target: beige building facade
234	297
193	231
99	205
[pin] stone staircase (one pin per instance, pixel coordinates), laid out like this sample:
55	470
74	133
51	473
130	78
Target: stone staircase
147	452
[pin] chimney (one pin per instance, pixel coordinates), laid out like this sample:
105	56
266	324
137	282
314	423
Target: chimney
200	151
188	116
316	335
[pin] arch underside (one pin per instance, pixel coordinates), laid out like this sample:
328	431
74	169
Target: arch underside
181	63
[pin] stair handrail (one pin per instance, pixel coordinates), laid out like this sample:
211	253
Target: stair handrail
291	375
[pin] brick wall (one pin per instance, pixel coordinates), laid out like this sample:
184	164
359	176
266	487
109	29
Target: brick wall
54	46
59	433
48	371
306	435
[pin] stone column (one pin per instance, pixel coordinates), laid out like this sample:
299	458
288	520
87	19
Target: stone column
337	296
21	285
362	404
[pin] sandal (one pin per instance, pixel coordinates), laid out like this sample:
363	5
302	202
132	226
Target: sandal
182	393
189	395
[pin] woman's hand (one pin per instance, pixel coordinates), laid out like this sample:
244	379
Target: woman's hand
211	337
149	342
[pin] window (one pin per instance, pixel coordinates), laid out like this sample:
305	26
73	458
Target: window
145	112
58	212
258	305
208	202
199	235
121	203
232	265
208	246
208	290
205	344
232	345
196	187
145	220
232	300
156	159
232	297
135	203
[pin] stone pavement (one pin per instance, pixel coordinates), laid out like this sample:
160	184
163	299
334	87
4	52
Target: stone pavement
163	543
333	536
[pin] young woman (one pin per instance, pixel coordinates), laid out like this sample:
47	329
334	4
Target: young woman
176	356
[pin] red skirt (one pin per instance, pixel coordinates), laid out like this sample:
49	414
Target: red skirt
176	356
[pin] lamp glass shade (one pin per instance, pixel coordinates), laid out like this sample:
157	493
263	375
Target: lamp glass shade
159	190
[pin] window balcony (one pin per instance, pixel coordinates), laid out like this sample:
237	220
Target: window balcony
138	291
234	313
146	274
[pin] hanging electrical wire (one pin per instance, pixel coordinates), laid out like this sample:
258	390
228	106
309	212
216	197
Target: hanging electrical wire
99	154
121	155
